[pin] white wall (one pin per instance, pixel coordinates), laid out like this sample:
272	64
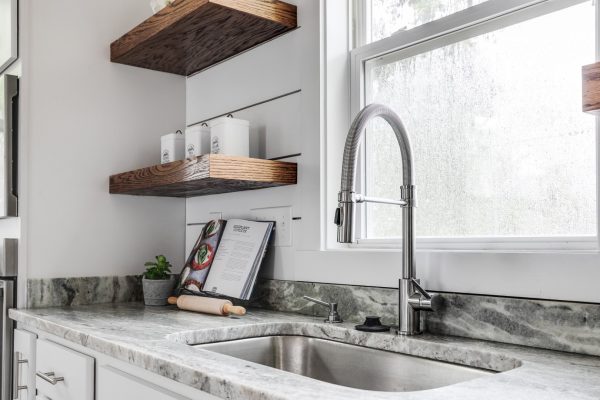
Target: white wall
286	126
86	118
314	59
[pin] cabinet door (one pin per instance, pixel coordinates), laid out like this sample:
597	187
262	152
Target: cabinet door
63	373
114	384
24	365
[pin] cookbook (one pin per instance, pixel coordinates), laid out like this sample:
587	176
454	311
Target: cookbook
226	259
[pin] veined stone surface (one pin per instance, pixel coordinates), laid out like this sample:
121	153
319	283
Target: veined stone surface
158	338
56	292
555	325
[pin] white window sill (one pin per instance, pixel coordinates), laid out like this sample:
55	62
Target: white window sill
582	244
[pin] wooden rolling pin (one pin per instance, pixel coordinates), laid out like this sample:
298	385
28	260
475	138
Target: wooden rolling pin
206	305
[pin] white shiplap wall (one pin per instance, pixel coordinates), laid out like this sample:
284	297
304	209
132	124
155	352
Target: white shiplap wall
288	125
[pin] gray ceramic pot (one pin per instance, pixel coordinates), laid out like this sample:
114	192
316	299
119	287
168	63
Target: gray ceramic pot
156	292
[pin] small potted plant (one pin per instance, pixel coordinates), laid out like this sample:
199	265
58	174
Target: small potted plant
157	282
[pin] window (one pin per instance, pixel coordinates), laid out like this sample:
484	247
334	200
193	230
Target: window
384	18
491	99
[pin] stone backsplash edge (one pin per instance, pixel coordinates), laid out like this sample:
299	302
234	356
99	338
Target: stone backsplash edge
57	292
555	325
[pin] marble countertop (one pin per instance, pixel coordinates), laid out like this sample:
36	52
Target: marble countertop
157	338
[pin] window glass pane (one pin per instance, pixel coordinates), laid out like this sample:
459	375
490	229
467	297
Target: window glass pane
501	146
391	16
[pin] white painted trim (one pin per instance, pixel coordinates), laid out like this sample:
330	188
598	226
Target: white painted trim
505	12
503	244
360	22
337	117
14	39
597	43
323	110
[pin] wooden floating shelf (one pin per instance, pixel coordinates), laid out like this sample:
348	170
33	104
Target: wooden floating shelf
591	88
191	35
204	175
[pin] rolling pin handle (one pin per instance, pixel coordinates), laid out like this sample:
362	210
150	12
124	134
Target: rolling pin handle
172	300
231	309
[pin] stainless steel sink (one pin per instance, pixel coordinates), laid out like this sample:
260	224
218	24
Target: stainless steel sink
347	365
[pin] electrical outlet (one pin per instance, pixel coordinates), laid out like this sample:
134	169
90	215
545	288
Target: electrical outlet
283	223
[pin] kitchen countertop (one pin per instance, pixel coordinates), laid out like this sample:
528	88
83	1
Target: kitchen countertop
156	338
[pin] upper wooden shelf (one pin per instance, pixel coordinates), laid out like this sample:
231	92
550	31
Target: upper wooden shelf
190	35
208	174
591	88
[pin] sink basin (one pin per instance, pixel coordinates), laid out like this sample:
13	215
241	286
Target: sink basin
345	364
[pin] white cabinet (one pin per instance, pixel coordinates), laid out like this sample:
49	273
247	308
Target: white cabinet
63	373
61	370
24	365
114	384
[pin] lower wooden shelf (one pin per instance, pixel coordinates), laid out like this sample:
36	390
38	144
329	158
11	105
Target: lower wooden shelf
204	175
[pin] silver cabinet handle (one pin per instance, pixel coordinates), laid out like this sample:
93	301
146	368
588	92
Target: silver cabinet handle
49	377
16	388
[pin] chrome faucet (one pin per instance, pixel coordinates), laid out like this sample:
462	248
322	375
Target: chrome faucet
413	298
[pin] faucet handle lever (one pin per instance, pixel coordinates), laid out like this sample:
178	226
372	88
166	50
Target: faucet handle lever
423	300
420	289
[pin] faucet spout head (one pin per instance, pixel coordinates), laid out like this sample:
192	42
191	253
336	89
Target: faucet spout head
347	198
344	217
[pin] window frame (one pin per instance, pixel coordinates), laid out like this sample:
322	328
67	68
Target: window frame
474	21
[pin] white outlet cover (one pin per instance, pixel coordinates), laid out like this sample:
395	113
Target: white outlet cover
283	223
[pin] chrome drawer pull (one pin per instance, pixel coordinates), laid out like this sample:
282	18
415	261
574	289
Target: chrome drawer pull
49	377
16	387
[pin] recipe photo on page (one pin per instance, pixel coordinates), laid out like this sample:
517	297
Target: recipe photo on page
238	258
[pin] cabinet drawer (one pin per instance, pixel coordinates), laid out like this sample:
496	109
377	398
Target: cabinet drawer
114	384
76	370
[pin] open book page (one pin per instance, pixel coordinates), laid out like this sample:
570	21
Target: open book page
238	258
